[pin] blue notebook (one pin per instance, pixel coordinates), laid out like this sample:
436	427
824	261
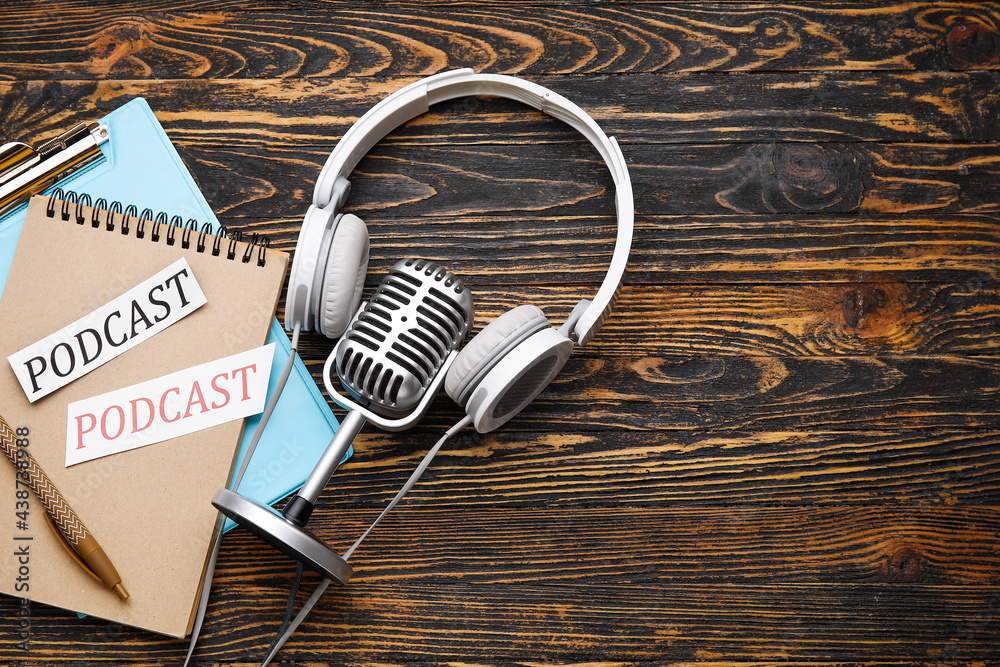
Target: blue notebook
140	166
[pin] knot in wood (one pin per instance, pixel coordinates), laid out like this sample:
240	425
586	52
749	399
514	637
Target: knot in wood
815	177
117	50
903	565
807	167
862	304
974	44
126	31
770	27
794	177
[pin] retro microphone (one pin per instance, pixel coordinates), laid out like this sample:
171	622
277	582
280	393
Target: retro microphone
392	360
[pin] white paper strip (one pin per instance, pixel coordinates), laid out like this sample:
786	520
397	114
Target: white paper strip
118	326
170	406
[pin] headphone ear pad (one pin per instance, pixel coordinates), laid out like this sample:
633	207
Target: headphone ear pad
344	276
489	346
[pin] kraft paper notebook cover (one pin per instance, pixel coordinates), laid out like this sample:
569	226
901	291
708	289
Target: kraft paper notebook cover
150	507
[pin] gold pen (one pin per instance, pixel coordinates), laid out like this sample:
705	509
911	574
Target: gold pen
72	534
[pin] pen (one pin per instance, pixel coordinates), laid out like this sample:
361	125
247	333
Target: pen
71	532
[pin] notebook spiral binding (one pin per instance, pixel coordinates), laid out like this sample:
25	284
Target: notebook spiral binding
71	205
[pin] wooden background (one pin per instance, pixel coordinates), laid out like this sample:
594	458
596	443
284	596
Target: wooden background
783	447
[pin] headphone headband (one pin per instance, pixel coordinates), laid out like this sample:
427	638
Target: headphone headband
332	186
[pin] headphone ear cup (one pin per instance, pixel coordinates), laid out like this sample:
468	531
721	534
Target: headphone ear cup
344	276
490	345
517	378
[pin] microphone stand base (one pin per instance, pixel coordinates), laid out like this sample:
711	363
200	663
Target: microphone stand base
293	541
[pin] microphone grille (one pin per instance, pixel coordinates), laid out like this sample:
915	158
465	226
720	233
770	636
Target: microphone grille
399	340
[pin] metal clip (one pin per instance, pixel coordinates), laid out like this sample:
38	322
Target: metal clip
26	171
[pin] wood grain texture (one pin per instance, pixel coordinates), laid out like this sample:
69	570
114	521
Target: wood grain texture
784	445
691	250
620	624
403	181
139	40
819	320
682	469
643	108
703	392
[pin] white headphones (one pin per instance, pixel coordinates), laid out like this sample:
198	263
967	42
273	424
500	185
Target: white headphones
507	364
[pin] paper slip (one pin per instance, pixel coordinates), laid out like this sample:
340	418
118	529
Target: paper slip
169	406
117	326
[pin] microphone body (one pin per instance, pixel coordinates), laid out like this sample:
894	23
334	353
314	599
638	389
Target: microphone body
398	343
400	339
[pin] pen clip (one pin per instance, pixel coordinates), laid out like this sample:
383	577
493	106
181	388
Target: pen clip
69	548
26	171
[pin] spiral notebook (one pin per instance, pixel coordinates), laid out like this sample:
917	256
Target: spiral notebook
141	165
149	507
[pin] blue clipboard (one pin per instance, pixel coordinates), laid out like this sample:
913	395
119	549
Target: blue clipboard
140	166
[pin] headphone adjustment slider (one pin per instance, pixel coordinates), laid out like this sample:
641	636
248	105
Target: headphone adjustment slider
341	190
567	328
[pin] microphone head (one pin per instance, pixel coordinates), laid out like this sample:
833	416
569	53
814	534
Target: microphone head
397	343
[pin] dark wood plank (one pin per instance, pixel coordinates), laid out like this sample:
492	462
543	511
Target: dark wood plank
642	108
866	252
830	320
518	179
644	546
828	248
221	40
503	623
773	393
506	623
593	393
825	176
822	319
562	466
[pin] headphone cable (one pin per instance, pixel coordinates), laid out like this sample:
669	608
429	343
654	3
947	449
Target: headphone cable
288	629
417	473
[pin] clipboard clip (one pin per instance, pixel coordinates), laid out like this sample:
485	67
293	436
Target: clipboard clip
26	171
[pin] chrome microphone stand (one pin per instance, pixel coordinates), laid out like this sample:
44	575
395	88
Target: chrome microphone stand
287	531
